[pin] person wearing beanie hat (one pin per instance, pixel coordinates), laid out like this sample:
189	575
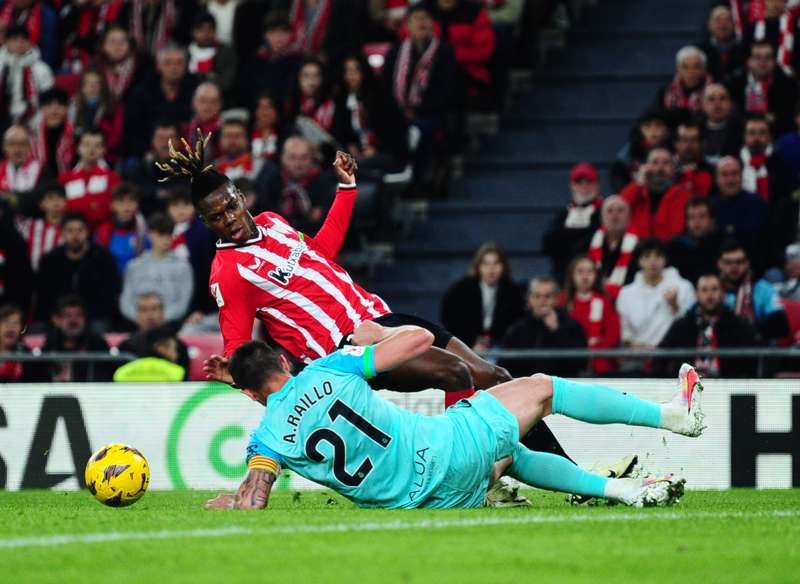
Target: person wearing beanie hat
577	221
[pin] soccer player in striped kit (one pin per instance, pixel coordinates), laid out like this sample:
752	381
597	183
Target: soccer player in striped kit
265	269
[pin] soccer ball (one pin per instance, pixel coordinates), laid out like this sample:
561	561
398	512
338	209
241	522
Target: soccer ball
117	475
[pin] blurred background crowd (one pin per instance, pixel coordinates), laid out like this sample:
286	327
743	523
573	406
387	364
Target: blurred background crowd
697	247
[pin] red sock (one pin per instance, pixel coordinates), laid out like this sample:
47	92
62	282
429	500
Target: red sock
451	397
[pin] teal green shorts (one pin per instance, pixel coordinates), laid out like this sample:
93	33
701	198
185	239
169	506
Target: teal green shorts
483	433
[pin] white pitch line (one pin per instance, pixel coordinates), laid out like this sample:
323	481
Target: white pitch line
397	525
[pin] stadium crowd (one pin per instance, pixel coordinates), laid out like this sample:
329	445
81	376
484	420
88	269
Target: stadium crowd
700	247
93	91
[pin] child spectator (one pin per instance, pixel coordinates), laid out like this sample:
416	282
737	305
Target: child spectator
192	241
158	270
23	76
44	234
125	232
90	183
586	303
94	108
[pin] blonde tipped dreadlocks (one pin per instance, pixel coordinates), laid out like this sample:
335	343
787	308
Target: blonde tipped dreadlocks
189	164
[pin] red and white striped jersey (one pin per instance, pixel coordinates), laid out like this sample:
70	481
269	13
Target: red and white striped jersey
40	236
285	279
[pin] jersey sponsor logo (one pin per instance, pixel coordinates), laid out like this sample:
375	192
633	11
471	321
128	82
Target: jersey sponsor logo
282	274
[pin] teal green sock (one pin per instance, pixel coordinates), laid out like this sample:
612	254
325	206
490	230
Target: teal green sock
598	404
554	473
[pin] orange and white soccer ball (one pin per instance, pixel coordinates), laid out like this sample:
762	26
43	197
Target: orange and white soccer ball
117	475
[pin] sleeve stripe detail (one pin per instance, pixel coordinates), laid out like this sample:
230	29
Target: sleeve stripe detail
344	187
260	462
368	362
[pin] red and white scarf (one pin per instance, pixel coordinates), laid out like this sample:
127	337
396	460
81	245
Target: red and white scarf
64	150
322	113
756	95
308	40
120	76
41	237
166	23
201	59
786	27
676	97
31	18
755	176
243	166
616	280
411	98
264	145
22	178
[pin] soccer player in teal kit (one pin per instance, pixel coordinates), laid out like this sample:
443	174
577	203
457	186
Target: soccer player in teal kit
327	425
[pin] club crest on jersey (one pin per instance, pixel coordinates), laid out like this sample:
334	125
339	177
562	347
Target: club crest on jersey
282	274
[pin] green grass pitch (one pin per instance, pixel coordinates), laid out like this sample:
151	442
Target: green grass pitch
709	537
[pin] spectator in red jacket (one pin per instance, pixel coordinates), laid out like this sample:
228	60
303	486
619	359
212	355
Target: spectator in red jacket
692	171
657	203
468	29
90	183
586	303
94	107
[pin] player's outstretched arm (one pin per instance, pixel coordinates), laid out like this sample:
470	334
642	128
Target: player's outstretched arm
330	237
253	493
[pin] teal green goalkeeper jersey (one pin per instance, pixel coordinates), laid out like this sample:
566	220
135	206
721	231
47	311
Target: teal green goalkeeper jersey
329	426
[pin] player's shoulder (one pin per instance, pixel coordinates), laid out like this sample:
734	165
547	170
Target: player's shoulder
269	219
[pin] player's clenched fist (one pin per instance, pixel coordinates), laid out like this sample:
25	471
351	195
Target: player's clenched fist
346	167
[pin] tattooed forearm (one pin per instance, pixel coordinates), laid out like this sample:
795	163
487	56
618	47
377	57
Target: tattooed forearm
254	491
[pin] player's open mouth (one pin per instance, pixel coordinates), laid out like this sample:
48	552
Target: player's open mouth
237	233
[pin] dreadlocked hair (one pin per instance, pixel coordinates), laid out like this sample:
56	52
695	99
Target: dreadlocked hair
189	164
